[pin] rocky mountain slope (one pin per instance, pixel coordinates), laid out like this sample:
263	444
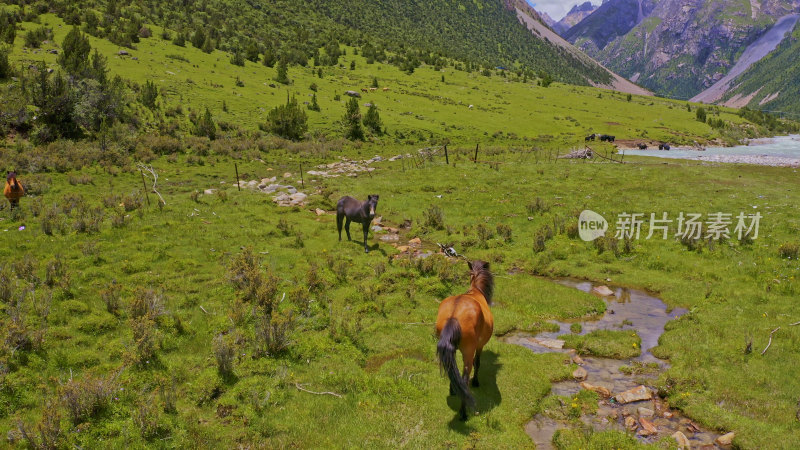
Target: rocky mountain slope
676	47
573	17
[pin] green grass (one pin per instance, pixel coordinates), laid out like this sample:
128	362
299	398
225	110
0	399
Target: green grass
615	344
369	335
416	109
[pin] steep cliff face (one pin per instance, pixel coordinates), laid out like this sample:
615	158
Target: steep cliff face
675	47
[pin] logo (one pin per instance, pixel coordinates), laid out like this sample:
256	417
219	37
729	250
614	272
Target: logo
591	225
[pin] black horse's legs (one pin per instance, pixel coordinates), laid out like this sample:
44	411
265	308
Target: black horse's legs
477	366
347	228
452	389
365	226
339	220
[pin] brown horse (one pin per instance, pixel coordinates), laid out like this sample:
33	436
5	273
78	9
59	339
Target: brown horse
356	211
465	323
13	190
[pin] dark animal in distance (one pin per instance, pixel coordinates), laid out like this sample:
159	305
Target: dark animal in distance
642	146
356	211
607	138
465	322
590	137
13	190
663	146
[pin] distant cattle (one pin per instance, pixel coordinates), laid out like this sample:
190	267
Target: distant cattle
373	89
663	146
642	146
607	138
364	90
386	89
590	138
353	94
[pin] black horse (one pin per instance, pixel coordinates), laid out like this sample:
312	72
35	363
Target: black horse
663	146
642	146
590	137
356	211
607	138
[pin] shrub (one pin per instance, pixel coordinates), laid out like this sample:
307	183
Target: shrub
110	296
484	232
537	206
288	121
147	416
372	120
149	94
254	285
283	72
26	267
56	273
86	398
789	250
51	220
433	217
147	303
132	202
225	354
145	339
352	121
700	114
504	231
48	429
272	330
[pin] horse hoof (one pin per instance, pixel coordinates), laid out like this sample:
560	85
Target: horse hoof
475	383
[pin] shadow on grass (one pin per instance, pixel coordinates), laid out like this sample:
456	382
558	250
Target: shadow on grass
487	396
371	248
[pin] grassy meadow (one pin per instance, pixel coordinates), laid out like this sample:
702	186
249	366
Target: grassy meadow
126	323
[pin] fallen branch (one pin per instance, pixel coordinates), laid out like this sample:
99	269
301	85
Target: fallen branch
770	340
794	324
297	385
152	172
204	310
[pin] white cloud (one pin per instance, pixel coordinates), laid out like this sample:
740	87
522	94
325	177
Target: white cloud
557	9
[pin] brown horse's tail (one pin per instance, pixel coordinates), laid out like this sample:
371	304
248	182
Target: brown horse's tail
446	351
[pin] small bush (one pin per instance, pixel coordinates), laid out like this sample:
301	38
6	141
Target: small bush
26	267
789	250
433	217
48	429
86	398
50	221
132	202
273	330
225	354
484	232
145	339
147	417
110	295
504	231
147	303
537	206
56	273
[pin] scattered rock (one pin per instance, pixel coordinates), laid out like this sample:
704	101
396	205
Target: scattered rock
209	191
648	428
725	439
605	393
319	212
377	220
634	395
667	415
577	360
390	238
402	248
287	175
645	412
377	228
630	424
416	242
580	374
603	291
123	53
682	440
53	51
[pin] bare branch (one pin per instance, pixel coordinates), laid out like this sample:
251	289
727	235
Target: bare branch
297	385
770	340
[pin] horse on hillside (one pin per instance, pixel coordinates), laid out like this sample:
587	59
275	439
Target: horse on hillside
465	322
356	211
13	190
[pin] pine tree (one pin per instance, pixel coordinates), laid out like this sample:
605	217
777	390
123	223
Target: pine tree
372	120
352	121
149	94
206	126
314	106
208	45
74	57
283	72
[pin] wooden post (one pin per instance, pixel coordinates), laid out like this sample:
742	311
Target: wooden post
302	180
476	153
238	185
446	157
145	188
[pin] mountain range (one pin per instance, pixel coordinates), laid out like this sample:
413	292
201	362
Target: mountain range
712	51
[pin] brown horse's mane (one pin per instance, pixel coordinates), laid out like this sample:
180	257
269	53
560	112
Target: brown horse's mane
482	279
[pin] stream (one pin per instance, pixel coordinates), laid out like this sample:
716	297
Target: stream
626	309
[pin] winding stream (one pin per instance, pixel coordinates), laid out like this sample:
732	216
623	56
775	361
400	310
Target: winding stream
626	309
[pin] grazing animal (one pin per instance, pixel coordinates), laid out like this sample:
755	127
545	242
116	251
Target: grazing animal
13	190
663	146
364	90
465	322
642	146
356	211
386	89
607	138
590	138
